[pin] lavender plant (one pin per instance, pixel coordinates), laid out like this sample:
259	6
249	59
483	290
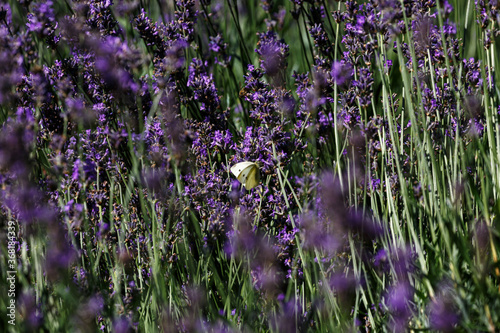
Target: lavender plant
374	124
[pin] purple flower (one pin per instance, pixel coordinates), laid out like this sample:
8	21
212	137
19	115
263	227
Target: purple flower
27	203
442	317
317	234
223	140
111	61
273	54
345	285
88	312
152	34
363	86
342	218
443	313
290	317
398	301
16	139
42	21
487	14
30	311
100	17
381	260
186	17
11	63
216	44
341	72
122	325
375	183
204	90
321	39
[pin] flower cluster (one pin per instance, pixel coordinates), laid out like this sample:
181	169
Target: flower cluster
373	127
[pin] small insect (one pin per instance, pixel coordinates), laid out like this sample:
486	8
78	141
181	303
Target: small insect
248	174
243	92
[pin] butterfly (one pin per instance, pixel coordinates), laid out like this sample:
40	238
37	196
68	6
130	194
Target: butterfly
248	174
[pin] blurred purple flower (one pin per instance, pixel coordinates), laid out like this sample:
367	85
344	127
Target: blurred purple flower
29	311
290	317
316	234
16	140
398	301
122	325
345	286
443	318
342	218
443	313
29	204
273	54
11	63
218	46
381	260
113	57
87	312
341	73
60	255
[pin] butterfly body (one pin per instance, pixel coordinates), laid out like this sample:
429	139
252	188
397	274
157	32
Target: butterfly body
247	173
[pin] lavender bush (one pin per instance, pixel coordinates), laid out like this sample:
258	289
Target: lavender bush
375	125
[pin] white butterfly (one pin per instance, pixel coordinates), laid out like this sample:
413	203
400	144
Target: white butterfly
248	174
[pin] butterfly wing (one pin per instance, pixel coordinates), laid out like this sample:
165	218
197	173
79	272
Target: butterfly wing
247	173
253	177
239	167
